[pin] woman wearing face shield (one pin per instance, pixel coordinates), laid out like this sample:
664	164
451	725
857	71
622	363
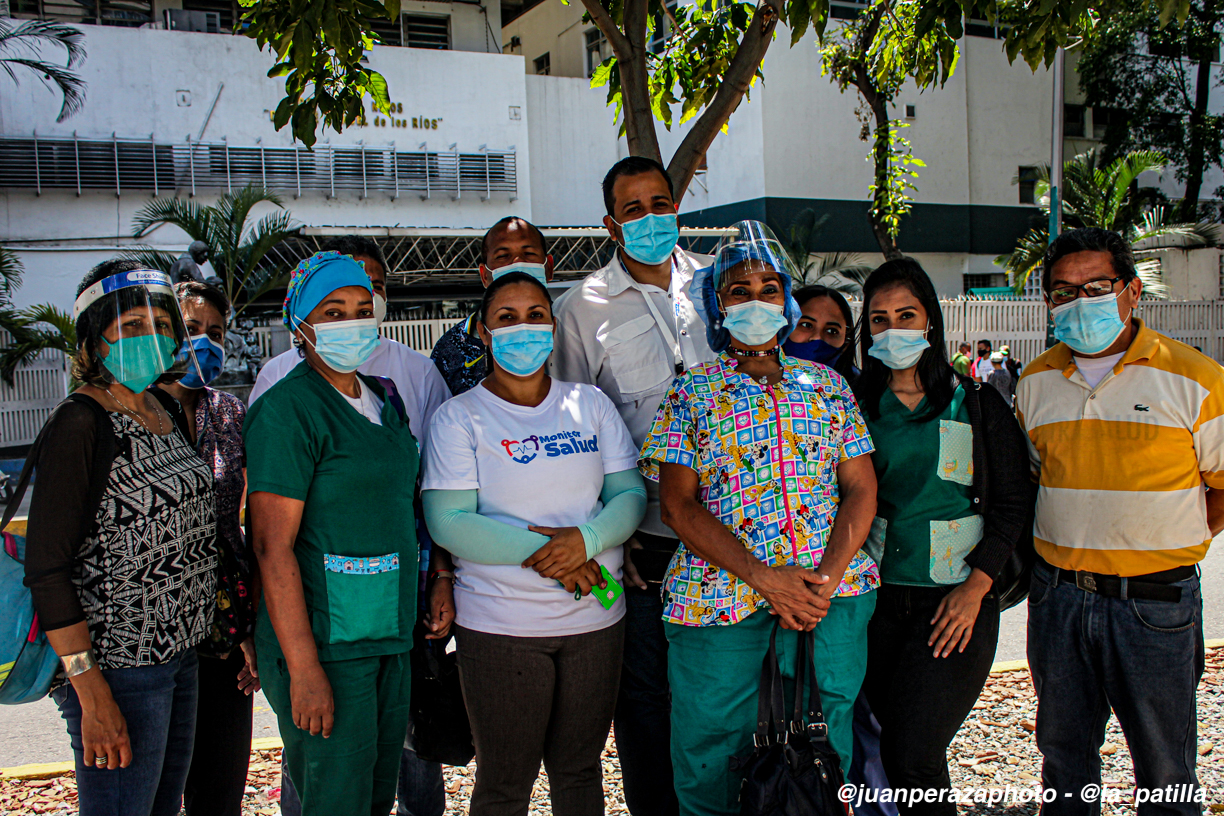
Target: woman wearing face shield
954	499
228	672
331	465
531	484
762	469
122	548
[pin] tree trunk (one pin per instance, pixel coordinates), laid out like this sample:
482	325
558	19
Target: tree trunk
881	152
1197	158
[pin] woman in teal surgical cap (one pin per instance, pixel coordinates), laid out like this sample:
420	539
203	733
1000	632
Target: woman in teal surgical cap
331	465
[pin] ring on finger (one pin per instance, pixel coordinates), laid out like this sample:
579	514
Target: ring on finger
100	761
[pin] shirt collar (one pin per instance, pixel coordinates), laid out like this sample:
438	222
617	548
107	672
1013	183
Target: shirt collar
619	279
1143	346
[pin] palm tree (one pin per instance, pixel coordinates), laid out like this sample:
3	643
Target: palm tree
842	271
22	45
238	250
31	330
1107	195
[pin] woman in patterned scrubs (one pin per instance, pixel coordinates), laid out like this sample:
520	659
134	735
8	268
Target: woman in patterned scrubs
763	469
954	500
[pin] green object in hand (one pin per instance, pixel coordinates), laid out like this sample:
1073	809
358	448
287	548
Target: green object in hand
607	595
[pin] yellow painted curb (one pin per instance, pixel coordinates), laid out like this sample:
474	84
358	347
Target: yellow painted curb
1009	666
43	770
267	744
17	526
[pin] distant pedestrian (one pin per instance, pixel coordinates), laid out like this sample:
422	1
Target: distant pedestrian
1125	429
982	367
961	361
1000	377
1013	366
124	582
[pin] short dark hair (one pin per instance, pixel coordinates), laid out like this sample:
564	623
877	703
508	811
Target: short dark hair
206	292
985	343
963	346
501	283
509	219
1090	239
632	166
354	245
844	365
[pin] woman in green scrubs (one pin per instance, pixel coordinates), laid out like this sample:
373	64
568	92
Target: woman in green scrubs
953	500
331	465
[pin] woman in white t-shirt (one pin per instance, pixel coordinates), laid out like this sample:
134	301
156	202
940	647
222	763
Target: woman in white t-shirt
532	485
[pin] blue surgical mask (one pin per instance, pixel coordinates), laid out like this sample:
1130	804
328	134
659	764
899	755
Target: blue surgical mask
535	270
817	351
523	349
209	354
651	238
346	344
754	323
898	349
1088	325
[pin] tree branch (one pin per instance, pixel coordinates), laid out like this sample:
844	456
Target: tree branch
735	84
604	22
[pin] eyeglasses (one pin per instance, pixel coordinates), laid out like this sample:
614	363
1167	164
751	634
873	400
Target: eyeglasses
1094	288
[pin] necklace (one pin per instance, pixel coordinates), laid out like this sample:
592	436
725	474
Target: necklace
160	425
738	352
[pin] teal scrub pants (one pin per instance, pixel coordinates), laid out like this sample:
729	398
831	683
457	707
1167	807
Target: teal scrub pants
715	675
353	772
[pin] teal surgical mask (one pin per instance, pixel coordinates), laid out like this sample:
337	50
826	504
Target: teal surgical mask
1088	325
898	349
137	361
650	239
523	349
346	344
754	323
535	270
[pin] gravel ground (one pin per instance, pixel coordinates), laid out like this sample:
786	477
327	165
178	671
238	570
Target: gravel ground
994	748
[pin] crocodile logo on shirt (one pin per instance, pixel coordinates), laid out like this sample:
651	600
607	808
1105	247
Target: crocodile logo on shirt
522	451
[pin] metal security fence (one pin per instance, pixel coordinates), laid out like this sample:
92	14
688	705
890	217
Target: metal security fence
37	388
128	165
417	334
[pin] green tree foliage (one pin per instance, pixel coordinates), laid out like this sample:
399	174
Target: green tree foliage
30	331
843	271
1101	193
238	249
21	46
1154	85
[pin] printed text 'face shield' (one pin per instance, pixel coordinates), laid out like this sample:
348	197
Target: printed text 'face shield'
136	328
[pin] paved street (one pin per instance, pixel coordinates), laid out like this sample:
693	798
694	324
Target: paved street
35	732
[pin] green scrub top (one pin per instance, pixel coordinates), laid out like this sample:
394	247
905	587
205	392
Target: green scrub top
356	546
925	524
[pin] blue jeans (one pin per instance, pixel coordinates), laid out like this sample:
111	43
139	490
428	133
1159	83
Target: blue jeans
643	709
158	704
420	791
1143	659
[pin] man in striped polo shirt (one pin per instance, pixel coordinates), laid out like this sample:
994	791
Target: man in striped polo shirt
1126	429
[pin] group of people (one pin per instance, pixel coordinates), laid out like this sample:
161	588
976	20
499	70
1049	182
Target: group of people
613	501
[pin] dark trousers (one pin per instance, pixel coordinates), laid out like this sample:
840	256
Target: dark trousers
217	778
643	709
159	705
539	698
921	700
1143	659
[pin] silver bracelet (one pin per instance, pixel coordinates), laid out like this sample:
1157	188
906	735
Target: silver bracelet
78	663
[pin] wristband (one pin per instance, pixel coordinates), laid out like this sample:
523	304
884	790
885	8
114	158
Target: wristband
78	663
442	574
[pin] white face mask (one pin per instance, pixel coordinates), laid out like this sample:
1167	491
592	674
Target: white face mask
380	308
535	270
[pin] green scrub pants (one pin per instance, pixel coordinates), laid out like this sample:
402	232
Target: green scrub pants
353	772
715	675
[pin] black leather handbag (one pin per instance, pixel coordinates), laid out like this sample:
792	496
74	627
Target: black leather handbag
440	727
792	770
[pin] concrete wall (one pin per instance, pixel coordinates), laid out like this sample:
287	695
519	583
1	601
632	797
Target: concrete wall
552	28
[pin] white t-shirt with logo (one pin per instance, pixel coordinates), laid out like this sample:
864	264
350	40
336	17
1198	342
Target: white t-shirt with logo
540	466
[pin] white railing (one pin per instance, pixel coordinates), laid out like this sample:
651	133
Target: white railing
37	388
418	334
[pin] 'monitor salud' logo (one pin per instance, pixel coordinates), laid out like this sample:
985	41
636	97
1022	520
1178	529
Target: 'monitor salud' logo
553	445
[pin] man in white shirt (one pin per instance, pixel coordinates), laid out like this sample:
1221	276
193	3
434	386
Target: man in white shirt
422	389
982	367
630	328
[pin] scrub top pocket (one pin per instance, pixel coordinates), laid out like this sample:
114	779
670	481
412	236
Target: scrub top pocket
876	536
955	452
363	597
951	541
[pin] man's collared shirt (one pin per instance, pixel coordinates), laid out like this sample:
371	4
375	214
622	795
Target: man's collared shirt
608	336
766	458
1122	466
460	356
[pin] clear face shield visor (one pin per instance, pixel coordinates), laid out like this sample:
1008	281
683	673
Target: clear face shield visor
136	329
753	247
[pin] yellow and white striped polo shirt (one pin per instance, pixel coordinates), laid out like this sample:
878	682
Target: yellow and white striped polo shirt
1121	467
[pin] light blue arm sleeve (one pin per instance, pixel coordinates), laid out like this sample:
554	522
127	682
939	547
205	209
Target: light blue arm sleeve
624	504
454	524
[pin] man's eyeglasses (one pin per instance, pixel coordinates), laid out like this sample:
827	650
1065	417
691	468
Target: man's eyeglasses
1096	288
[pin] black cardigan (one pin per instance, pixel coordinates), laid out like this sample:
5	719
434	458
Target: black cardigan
1003	491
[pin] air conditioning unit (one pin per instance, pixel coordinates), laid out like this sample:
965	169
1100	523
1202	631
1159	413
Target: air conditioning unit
208	22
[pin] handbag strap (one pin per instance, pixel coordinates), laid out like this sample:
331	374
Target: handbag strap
816	728
771	714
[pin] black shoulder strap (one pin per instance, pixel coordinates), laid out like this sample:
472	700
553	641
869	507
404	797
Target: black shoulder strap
176	412
103	458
